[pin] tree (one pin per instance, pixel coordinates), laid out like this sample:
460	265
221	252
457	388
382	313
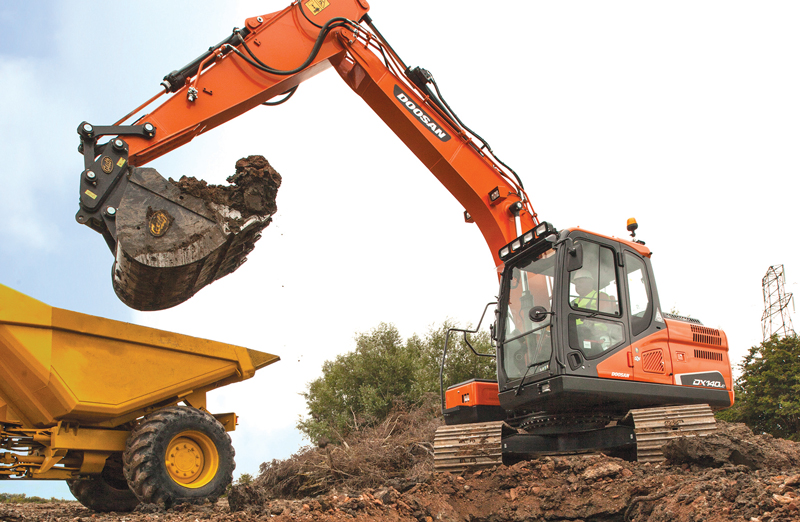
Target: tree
360	388
460	365
768	391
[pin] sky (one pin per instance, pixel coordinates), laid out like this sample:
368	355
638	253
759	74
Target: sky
683	115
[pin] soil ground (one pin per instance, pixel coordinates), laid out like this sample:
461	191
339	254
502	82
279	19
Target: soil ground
730	476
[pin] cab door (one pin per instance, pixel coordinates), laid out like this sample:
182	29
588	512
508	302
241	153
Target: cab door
597	334
650	359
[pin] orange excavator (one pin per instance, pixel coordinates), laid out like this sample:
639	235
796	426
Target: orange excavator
586	358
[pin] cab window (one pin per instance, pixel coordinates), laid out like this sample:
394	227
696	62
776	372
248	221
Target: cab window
638	294
527	347
593	287
594	336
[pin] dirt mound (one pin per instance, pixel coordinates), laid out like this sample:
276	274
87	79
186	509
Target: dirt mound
253	190
587	488
737	476
734	444
398	454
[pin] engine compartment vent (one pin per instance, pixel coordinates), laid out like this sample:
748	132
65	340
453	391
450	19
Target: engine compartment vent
704	335
685	319
653	361
707	354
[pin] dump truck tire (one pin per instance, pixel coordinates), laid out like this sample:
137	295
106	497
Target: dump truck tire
177	455
108	491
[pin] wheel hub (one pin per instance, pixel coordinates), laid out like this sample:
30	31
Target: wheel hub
192	459
184	459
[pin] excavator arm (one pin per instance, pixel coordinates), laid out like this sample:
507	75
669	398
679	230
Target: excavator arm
169	244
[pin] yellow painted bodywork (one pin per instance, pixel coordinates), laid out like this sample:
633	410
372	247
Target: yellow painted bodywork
69	382
61	365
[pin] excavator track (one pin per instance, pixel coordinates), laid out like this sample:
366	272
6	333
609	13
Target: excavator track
466	447
469	446
654	427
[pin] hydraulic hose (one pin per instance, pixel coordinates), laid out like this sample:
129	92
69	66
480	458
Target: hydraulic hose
331	24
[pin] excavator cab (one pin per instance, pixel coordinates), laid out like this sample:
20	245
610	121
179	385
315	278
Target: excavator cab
582	349
564	293
580	329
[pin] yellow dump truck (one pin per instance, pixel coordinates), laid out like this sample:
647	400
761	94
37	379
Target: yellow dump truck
117	410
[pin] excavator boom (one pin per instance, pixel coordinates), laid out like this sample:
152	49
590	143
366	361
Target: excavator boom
168	243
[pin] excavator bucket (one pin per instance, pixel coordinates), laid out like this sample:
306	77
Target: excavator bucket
170	239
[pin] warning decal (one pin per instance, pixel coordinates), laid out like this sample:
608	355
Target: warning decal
316	6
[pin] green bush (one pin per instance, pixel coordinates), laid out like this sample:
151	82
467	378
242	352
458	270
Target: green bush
21	498
768	391
244	479
359	389
461	363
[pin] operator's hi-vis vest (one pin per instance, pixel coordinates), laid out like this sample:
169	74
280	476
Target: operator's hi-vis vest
588	301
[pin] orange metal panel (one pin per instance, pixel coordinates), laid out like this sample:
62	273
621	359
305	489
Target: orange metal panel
617	365
472	393
699	349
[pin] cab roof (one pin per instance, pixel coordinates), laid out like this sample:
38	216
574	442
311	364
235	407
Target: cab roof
643	250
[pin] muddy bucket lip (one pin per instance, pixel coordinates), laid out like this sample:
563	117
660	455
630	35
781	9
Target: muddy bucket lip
158	281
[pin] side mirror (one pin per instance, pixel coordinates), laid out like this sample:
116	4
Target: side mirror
574	257
537	314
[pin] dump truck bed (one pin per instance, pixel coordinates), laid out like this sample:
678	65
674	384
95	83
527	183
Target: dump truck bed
58	365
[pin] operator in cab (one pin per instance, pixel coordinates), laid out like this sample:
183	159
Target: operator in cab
589	298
